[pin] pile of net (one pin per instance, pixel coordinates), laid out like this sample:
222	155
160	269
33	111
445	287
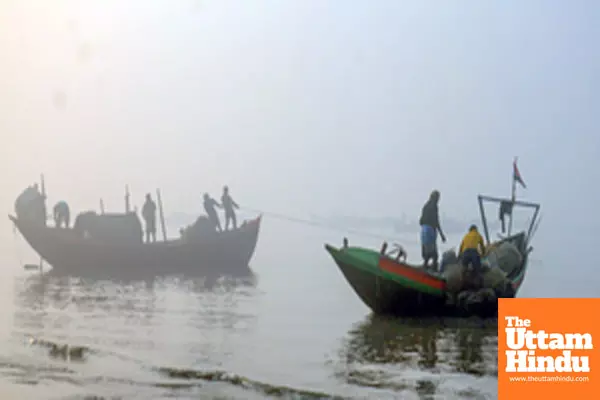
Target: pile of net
500	262
201	229
505	256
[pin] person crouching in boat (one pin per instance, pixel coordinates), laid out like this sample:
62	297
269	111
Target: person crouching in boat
430	226
471	249
211	212
61	214
149	215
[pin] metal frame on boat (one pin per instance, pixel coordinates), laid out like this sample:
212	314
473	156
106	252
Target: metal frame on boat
532	225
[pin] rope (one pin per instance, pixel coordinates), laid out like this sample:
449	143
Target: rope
314	223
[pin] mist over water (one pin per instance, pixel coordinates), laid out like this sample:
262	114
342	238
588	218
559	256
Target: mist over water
300	326
301	109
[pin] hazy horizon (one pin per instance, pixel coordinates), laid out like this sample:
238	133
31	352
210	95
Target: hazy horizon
303	107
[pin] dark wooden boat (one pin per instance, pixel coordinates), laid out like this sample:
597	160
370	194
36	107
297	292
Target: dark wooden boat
388	285
70	253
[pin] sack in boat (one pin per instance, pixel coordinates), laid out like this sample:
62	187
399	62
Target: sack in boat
448	257
505	256
199	230
455	277
494	278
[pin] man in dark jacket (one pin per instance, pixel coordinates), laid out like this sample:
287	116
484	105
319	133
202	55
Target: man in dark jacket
430	226
149	215
211	212
228	206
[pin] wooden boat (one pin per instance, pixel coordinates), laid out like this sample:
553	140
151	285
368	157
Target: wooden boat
71	253
388	285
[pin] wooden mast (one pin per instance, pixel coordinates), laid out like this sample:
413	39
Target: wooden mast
162	215
127	205
43	191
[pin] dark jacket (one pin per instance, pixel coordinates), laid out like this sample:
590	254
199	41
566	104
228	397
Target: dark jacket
429	215
149	210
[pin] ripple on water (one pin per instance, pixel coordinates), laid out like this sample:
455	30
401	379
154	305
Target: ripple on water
173	338
428	358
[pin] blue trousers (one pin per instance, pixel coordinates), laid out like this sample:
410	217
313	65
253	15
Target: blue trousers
471	256
428	243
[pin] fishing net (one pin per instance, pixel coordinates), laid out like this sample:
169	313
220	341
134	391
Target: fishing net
201	229
448	257
494	278
505	256
455	277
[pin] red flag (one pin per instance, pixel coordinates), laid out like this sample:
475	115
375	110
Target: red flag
517	175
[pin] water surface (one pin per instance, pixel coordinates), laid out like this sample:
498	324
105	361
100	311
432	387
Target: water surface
297	324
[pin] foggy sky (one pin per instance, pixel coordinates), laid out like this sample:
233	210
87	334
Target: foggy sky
303	106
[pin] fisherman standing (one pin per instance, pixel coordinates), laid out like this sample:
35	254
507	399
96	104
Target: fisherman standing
430	226
229	205
61	214
211	212
149	215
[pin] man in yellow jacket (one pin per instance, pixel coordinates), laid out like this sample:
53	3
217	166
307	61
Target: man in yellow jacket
471	249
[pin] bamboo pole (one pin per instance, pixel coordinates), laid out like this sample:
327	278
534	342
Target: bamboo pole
127	205
43	191
162	215
42	184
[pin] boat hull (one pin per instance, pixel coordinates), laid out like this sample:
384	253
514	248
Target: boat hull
70	254
391	287
383	296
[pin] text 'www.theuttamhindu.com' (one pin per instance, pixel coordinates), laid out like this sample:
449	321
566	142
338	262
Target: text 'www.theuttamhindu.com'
575	379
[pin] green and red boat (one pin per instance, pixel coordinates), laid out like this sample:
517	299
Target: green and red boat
390	285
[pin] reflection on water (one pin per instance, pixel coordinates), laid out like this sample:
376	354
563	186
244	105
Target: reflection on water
190	338
55	304
419	355
140	326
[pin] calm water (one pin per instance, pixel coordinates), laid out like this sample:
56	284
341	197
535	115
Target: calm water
297	324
